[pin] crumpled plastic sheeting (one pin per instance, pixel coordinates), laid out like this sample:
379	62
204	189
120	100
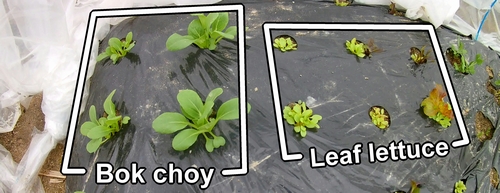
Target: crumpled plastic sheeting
7	166
477	158
437	12
476	18
267	172
41	46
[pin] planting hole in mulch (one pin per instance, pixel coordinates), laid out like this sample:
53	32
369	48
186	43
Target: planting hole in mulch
484	127
494	179
285	43
380	117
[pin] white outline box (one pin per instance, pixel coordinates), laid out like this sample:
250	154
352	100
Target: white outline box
128	12
268	26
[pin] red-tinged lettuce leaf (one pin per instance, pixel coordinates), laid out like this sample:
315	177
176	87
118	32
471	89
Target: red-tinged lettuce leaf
435	103
445	109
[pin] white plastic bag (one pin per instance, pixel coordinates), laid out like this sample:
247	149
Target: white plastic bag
26	173
476	18
7	166
437	12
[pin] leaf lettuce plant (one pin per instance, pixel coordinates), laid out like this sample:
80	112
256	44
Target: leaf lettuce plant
436	108
379	117
460	187
284	44
301	117
342	3
356	48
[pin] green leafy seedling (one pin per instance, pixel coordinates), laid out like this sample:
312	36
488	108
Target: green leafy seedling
117	48
205	32
380	117
102	129
342	3
356	48
197	118
460	187
285	43
301	117
458	57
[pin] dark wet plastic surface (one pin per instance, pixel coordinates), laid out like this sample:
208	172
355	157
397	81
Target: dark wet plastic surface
343	88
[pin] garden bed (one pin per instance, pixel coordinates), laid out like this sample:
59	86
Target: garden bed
334	83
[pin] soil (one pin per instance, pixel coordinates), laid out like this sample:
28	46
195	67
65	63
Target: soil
18	141
484	127
494	178
453	58
490	72
490	87
421	55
